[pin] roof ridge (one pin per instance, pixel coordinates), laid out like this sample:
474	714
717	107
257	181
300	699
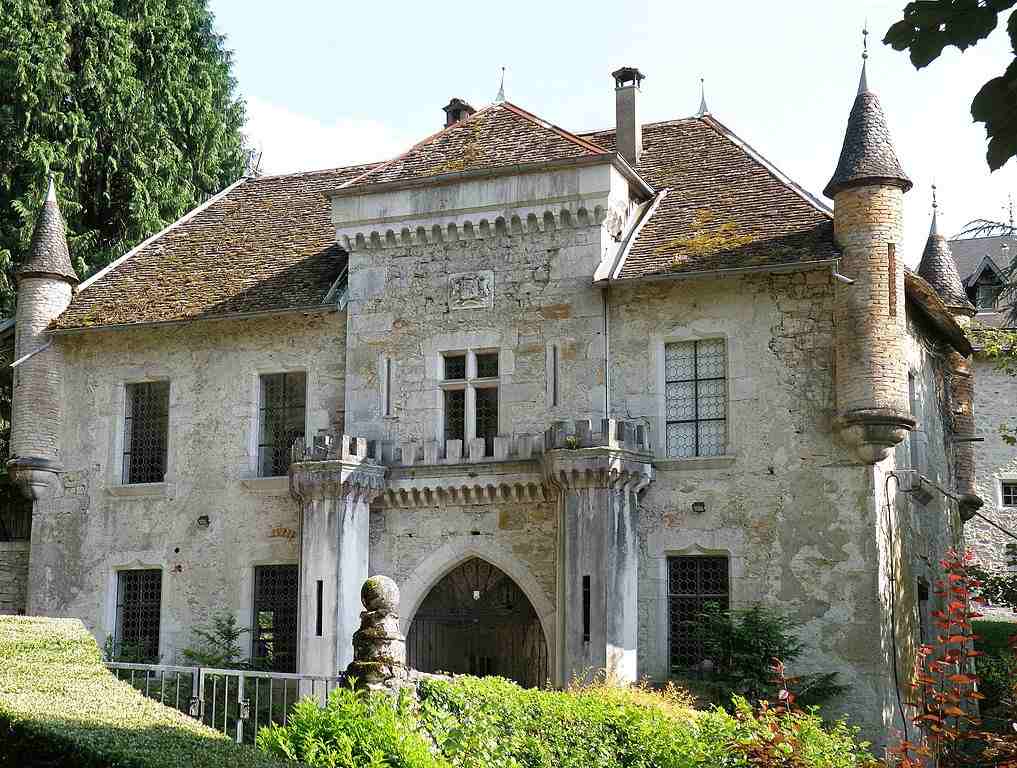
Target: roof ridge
654	123
568	135
385	164
770	168
317	172
151	239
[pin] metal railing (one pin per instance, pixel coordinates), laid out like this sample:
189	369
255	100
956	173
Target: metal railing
236	702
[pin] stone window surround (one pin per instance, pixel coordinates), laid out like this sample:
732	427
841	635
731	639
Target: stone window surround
115	485
254	398
260	554
141	562
998	480
696	331
689	543
470	384
482	341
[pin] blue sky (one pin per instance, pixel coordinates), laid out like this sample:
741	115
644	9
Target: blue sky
336	83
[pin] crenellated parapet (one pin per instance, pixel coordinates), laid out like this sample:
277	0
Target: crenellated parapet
465	227
335	466
618	456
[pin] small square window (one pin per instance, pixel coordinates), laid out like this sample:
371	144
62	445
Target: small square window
487	365
455	367
1010	493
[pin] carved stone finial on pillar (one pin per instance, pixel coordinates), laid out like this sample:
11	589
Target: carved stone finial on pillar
379	649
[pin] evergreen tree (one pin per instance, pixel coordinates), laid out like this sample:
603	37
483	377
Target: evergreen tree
130	104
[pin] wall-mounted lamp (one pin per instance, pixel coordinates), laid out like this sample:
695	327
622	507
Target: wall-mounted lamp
203	521
698	507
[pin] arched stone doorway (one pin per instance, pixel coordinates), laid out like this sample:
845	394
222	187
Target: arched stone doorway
477	621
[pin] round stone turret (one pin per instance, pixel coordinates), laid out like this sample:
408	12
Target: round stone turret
868	191
45	280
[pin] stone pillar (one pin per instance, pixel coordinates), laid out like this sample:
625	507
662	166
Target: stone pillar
598	476
335	482
379	648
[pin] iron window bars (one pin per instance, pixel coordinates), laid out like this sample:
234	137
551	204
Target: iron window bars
470	396
275	616
146	432
139	606
282	417
695	375
692	583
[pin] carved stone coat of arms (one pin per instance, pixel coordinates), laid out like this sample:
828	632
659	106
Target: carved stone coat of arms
471	290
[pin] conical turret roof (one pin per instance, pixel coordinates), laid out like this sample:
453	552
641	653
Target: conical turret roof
867	155
939	270
48	254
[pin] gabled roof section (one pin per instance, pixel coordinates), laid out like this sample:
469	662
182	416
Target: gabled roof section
499	135
976	254
726	208
265	244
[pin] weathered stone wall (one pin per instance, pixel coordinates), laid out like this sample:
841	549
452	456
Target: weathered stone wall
791	507
95	525
994	461
13	576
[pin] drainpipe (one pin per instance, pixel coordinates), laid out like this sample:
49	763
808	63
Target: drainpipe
607	352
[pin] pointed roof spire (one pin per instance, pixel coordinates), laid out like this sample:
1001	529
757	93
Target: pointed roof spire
501	88
867	156
863	81
48	255
703	109
939	269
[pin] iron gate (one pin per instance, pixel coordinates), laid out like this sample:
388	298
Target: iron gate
478	621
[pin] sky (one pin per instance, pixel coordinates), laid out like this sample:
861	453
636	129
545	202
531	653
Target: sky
331	84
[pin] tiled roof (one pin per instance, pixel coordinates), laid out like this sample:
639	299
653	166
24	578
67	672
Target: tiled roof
867	153
726	208
938	269
968	253
267	244
48	255
919	293
497	136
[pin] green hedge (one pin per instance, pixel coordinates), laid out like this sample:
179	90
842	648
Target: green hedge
993	635
493	723
59	706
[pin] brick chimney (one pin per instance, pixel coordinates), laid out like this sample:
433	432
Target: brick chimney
457	110
628	129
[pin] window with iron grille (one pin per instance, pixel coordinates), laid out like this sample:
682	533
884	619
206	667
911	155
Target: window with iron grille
692	584
146	432
139	605
282	416
695	375
470	397
275	616
1009	493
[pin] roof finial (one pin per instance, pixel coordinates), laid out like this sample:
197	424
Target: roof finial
703	109
863	83
501	87
934	229
51	192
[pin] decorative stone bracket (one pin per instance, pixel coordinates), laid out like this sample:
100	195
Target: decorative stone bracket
35	478
619	456
874	432
335	468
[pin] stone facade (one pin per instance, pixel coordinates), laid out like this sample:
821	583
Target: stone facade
995	462
13	576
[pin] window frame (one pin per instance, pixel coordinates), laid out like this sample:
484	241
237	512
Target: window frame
124	433
254	629
470	384
1004	482
260	412
663	382
669	596
118	605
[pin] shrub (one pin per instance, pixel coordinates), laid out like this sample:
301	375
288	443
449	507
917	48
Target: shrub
743	645
493	723
59	706
218	644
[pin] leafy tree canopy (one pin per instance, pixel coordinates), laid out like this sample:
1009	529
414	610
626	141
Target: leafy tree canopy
130	104
931	25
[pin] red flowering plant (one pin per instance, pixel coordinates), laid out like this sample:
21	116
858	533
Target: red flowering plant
944	685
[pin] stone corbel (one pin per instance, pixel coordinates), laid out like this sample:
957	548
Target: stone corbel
336	479
873	433
36	479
